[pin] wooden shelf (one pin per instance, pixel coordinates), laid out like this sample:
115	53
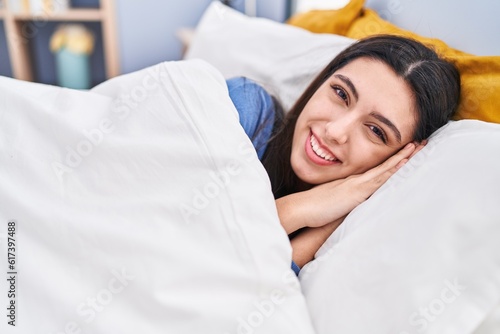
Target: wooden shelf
18	44
70	15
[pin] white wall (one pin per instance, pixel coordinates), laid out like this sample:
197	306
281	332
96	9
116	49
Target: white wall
471	26
147	28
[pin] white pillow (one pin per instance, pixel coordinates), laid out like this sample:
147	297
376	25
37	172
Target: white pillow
422	255
282	58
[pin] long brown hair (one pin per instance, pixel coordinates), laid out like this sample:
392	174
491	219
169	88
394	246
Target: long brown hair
434	81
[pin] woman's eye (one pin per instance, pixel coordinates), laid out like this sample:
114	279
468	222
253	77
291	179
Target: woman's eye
379	133
341	93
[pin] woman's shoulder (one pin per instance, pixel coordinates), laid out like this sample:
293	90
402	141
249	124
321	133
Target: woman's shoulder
256	109
245	91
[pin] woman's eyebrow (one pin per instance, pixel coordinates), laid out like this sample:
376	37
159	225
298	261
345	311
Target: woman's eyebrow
349	83
376	115
387	122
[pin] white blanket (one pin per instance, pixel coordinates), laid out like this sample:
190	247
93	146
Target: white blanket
139	207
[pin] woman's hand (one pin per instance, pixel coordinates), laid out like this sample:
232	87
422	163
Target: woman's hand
328	202
331	202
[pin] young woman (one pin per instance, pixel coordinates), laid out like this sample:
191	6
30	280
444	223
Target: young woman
362	118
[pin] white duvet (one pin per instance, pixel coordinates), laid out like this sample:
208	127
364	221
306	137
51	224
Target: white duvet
138	207
141	207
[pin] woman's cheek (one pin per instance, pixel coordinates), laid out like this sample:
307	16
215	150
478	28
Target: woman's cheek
375	158
365	159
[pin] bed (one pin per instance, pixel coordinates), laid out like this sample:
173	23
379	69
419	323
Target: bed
141	206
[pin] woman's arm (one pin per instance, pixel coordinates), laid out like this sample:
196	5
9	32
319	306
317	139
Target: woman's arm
308	241
320	210
314	207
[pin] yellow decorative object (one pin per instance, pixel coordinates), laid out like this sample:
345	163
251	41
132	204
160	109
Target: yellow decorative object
329	21
480	74
75	37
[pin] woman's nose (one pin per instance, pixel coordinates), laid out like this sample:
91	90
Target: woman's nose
339	130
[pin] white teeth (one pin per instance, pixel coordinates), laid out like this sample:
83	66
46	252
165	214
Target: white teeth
319	151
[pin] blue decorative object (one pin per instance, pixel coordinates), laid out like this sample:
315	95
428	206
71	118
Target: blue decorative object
73	69
72	45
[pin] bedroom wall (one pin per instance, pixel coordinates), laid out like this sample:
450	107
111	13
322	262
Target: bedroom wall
471	26
147	28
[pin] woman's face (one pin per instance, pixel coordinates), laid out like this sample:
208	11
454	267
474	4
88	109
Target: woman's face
360	116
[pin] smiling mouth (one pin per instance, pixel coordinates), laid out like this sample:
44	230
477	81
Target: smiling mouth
321	152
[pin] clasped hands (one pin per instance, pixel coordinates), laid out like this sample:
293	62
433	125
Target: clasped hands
317	212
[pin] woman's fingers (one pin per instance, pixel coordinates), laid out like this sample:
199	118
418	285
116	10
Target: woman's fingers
401	164
375	177
418	148
314	207
392	164
396	161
